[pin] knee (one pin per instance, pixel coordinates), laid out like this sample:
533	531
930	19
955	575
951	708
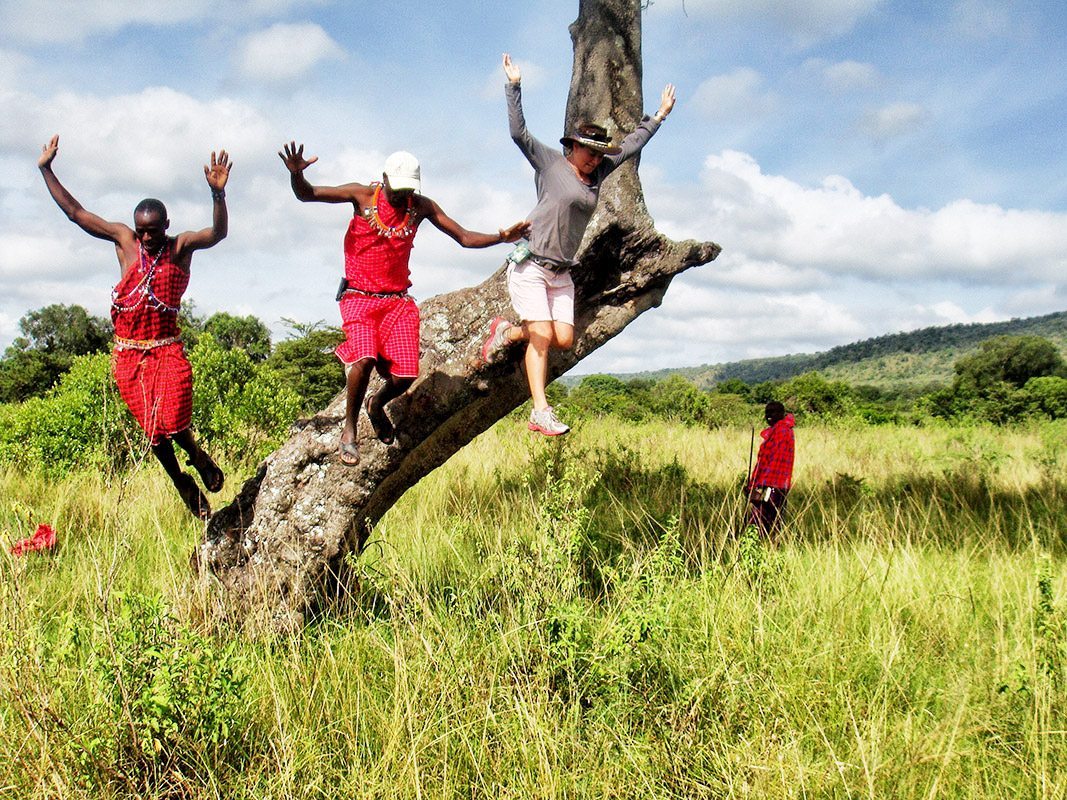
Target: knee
564	340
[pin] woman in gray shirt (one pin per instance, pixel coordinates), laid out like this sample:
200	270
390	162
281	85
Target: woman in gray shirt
539	282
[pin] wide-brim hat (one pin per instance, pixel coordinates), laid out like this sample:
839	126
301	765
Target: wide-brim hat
595	137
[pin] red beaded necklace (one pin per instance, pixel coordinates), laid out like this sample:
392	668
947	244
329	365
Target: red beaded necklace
403	229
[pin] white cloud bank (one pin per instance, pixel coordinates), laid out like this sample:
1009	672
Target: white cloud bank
284	52
837	230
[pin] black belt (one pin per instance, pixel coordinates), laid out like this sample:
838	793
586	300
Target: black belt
549	265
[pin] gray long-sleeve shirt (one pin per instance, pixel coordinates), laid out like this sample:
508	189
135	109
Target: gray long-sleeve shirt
564	203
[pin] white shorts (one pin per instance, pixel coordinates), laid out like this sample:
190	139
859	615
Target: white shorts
539	294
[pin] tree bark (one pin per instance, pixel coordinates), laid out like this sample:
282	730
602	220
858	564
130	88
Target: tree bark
279	548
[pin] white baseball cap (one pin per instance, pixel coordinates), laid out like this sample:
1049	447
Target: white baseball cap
402	170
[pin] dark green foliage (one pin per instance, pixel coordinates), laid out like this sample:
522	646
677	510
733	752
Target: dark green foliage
1009	378
82	422
240	408
306	364
1007	359
53	337
245	333
172	704
813	394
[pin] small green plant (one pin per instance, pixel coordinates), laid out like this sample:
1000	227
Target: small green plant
172	703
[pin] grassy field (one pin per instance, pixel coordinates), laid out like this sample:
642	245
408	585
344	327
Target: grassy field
577	618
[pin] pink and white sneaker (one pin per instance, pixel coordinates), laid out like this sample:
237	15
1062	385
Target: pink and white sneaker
547	422
495	343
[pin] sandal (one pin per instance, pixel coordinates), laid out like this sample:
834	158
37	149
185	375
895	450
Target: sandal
210	473
348	453
380	422
191	495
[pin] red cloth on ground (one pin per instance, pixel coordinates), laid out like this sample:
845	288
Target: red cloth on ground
774	465
156	384
380	327
44	538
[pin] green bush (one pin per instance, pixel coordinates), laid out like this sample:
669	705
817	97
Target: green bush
240	409
170	705
82	422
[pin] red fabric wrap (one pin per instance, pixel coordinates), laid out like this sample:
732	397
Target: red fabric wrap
380	327
375	262
133	311
156	384
774	465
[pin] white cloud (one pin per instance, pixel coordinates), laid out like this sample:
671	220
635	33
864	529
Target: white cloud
835	229
893	120
843	76
154	141
805	21
737	95
78	20
283	52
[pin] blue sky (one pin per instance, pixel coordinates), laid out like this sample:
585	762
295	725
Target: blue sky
869	166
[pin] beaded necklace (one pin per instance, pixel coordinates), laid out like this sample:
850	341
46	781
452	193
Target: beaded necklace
404	229
142	293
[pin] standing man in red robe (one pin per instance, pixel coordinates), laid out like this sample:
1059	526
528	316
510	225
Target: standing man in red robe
380	319
772	477
149	363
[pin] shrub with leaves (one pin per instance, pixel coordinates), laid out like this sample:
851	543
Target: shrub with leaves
173	705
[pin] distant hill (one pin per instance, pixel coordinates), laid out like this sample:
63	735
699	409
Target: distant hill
911	361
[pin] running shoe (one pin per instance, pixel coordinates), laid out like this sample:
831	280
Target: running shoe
496	341
547	422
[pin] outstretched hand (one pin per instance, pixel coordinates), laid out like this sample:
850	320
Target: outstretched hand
293	156
219	171
48	153
520	230
666	101
511	69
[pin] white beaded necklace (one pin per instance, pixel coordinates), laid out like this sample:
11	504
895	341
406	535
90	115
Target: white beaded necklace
142	293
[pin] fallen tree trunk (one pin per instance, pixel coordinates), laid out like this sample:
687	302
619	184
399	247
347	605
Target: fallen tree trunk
278	549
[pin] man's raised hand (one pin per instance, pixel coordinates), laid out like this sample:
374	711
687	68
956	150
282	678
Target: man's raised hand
293	156
48	153
219	171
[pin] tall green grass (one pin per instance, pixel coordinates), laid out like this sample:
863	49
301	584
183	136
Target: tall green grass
576	618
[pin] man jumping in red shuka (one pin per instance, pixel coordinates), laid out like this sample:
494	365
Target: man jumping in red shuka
380	319
148	362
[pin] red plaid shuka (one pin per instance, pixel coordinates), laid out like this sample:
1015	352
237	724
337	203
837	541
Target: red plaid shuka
774	465
375	261
154	380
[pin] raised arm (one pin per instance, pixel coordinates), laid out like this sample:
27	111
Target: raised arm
640	135
292	155
217	174
430	210
538	154
86	220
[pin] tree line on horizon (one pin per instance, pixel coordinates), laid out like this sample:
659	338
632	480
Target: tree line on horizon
55	385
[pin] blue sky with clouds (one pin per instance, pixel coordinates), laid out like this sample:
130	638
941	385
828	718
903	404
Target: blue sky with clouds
868	166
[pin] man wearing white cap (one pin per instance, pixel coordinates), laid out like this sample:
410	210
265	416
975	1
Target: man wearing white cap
380	318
